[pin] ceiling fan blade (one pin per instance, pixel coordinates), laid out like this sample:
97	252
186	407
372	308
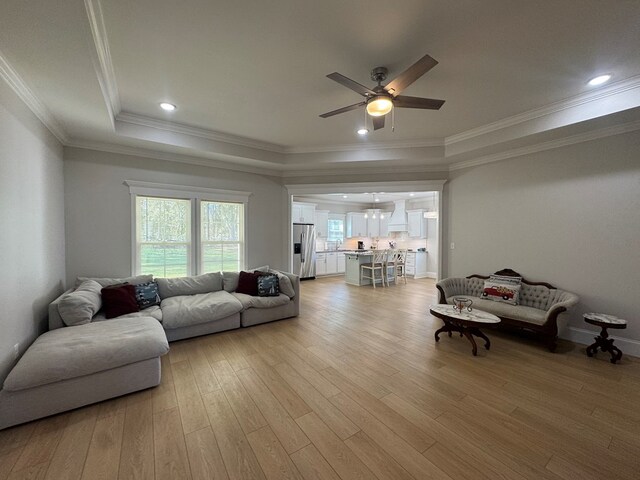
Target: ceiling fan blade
402	101
353	85
410	75
378	122
343	109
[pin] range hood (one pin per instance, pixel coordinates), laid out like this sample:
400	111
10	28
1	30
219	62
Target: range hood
398	220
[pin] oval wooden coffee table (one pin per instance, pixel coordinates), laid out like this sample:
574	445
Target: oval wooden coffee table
465	322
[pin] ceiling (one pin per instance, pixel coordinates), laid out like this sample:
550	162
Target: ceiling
249	77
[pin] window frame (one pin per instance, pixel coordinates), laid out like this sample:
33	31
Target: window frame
196	195
341	217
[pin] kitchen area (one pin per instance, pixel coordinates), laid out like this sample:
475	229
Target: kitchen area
334	234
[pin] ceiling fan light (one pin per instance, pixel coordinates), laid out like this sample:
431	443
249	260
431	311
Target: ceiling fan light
379	106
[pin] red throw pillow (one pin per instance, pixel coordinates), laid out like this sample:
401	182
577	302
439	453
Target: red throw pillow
119	300
248	283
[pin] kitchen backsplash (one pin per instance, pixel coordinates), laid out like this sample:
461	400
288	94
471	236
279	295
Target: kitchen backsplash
383	242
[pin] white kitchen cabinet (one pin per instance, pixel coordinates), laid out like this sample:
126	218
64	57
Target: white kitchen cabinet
416	264
321	221
341	262
303	212
332	263
327	263
321	263
417	224
384	224
373	226
356	225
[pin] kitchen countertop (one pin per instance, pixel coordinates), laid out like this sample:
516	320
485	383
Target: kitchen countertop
361	252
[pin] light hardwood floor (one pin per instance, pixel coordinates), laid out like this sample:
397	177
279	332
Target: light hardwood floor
355	387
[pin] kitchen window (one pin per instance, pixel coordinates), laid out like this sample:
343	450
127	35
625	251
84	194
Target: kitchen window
179	232
335	229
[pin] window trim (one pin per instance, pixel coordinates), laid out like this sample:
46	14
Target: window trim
196	195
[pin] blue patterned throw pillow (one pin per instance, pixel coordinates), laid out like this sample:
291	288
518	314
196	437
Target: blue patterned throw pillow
147	294
268	286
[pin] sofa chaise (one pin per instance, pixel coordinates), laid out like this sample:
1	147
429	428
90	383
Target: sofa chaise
539	305
72	366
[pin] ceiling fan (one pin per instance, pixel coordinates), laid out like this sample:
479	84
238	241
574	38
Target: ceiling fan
380	100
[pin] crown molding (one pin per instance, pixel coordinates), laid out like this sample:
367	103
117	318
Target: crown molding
572	102
103	64
22	90
364	187
335	169
550	145
144	121
434	142
169	157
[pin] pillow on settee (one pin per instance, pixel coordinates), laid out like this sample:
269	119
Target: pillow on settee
119	300
79	306
248	283
268	285
147	295
503	289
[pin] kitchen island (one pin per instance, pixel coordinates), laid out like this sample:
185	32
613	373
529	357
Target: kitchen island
353	272
416	265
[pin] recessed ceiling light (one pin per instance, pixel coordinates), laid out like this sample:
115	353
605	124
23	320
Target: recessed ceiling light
599	80
411	194
345	196
377	199
363	131
169	107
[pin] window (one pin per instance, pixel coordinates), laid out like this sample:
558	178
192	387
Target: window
163	236
335	230
221	236
178	232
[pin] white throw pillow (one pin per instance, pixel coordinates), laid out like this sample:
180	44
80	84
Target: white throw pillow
79	307
501	291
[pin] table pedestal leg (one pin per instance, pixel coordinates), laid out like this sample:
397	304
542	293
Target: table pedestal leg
468	332
604	343
478	333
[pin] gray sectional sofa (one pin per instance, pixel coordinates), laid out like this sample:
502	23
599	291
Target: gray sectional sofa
72	366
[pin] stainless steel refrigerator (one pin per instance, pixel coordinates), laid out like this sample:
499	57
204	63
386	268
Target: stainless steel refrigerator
304	250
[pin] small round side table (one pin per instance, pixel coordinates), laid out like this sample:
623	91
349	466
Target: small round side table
603	341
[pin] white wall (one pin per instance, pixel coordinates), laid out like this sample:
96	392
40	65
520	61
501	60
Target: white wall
98	208
569	216
32	225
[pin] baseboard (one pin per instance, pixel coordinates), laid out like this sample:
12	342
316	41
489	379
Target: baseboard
423	275
585	337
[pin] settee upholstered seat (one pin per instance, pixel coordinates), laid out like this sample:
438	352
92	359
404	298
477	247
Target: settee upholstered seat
539	303
529	314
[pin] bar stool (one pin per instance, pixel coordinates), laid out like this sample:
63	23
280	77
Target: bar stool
377	264
399	265
389	265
